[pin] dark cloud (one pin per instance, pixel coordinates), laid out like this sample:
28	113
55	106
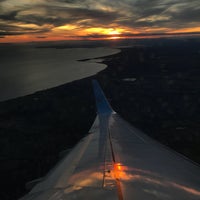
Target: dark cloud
135	14
6	30
41	37
186	15
163	14
72	1
9	16
58	16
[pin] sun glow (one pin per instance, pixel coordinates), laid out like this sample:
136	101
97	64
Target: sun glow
67	27
114	32
104	31
114	38
186	30
76	32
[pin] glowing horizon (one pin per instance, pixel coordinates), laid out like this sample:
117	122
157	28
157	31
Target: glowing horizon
54	20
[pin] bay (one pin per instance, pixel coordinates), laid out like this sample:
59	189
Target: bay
25	70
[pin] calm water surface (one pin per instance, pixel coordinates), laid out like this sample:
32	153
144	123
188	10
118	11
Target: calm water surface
24	70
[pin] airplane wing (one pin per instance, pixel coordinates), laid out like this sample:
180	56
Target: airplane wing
118	162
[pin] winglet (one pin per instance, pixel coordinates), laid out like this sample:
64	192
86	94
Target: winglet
103	107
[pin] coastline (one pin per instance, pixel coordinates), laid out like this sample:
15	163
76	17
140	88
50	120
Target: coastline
33	69
35	128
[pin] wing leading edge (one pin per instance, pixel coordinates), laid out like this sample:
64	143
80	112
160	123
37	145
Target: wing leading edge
117	161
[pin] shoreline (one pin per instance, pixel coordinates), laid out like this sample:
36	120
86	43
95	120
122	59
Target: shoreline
61	85
54	67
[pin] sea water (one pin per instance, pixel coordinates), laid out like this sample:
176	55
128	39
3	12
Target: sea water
25	70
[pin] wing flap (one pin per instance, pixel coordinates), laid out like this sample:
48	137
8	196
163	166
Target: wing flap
147	169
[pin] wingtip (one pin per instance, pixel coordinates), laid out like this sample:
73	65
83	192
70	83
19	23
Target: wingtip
102	104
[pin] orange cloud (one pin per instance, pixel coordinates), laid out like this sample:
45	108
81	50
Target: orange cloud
23	21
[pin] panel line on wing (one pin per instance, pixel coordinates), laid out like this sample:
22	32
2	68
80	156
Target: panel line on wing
115	168
105	111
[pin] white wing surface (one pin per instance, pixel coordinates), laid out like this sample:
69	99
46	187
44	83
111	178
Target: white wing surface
118	162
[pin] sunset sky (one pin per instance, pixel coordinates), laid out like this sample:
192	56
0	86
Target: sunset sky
43	20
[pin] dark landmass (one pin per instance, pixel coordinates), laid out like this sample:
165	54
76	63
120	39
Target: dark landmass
163	101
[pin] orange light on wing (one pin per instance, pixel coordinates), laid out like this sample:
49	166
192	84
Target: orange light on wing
124	173
119	171
119	167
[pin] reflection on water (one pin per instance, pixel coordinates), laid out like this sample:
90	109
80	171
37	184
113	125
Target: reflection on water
25	70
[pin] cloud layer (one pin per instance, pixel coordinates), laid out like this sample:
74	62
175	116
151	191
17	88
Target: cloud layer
83	18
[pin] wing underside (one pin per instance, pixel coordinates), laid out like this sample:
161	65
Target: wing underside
117	161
